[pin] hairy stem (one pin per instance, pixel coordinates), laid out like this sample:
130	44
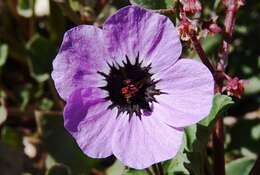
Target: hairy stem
229	23
232	7
202	54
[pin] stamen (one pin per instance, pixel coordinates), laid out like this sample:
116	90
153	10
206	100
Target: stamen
129	90
130	87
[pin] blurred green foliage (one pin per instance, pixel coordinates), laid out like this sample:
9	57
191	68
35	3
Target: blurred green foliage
33	139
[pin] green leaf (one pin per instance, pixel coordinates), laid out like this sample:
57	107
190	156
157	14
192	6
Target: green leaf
46	104
3	114
191	157
240	166
25	8
66	150
3	110
3	53
153	4
196	137
42	53
11	137
135	172
220	104
176	165
25	97
211	43
116	169
255	132
75	5
253	86
59	169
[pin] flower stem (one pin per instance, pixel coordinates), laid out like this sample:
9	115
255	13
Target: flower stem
201	53
149	172
256	168
161	172
229	23
218	143
158	169
155	169
232	7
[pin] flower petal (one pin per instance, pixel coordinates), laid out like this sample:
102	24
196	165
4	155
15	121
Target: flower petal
81	55
139	143
134	30
89	121
190	90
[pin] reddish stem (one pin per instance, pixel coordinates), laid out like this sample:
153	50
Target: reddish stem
232	7
256	168
218	143
201	53
229	23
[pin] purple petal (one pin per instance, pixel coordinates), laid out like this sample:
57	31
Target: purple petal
139	143
89	121
190	89
81	55
134	30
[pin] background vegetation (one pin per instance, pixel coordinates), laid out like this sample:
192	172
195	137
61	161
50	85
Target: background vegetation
32	137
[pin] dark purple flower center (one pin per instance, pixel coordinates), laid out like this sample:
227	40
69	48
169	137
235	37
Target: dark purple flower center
130	87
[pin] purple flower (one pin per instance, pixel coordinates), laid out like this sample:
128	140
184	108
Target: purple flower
127	93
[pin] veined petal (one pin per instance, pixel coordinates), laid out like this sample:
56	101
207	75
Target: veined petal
134	30
89	121
189	88
81	55
139	143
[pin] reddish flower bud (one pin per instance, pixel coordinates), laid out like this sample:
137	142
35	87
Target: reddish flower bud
234	87
186	27
211	27
191	6
233	4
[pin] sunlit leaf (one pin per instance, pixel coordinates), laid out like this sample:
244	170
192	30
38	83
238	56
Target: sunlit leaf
25	95
25	8
46	104
196	138
3	114
255	132
177	164
75	5
116	169
211	43
252	86
240	166
3	53
135	172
